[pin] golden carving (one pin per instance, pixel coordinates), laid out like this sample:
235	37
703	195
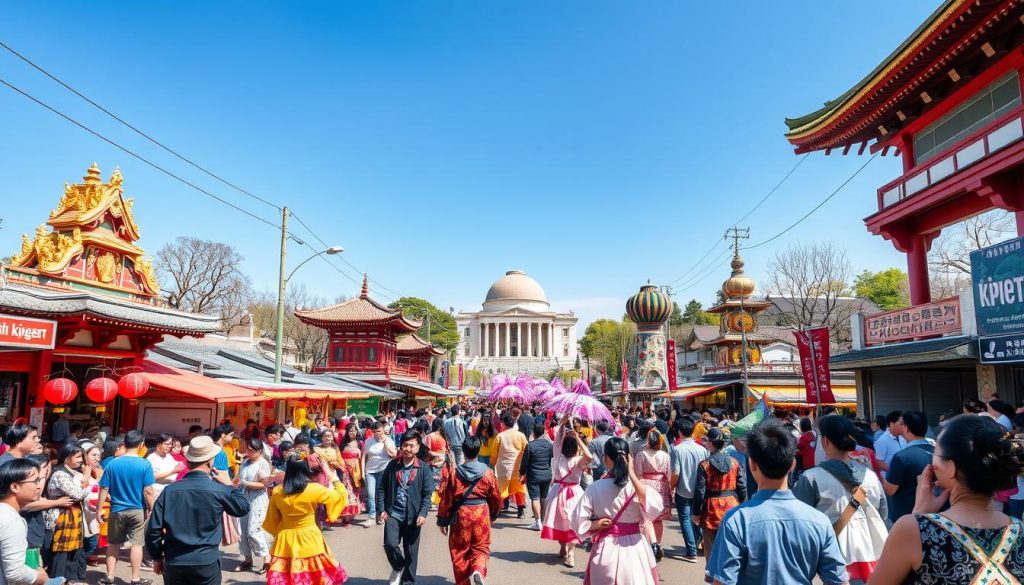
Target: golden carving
145	269
54	249
26	252
105	267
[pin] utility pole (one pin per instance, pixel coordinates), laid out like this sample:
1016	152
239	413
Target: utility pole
738	234
279	334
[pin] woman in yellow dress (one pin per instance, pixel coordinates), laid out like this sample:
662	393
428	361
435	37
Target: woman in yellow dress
300	556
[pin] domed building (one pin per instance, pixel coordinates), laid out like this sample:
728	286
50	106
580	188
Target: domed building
516	331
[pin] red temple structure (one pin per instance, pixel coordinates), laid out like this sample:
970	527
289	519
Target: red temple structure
377	344
948	102
85	283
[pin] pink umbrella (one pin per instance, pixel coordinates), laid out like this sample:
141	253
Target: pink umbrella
519	391
579	403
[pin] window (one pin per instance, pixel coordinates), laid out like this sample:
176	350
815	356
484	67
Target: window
467	350
339	353
985	106
466	335
371	354
565	351
565	332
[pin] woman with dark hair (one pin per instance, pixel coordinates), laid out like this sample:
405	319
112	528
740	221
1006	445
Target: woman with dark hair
69	479
654	466
1002	412
850	494
254	477
611	511
300	555
571	457
721	486
351	472
970	542
488	443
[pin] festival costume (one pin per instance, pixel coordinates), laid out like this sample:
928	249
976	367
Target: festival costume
654	468
510	447
621	554
469	503
253	541
564	494
352	479
300	556
717	489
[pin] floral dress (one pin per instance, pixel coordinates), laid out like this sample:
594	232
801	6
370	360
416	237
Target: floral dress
654	468
300	555
352	478
253	541
68	553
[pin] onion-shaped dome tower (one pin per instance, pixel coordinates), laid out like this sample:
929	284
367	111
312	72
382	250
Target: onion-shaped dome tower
649	308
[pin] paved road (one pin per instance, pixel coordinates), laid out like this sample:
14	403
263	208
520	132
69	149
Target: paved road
518	556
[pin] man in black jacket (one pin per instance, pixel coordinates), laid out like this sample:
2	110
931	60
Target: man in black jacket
405	490
535	470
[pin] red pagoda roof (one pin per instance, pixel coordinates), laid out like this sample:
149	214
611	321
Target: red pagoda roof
360	310
955	43
413	343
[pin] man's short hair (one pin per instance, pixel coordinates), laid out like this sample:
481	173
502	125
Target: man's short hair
686	426
410	435
15	471
470	447
195	429
220	431
916	422
455	409
772	448
17	433
133	438
893	417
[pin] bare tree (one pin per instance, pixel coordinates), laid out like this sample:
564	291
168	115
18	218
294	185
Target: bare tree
950	257
810	286
309	343
200	276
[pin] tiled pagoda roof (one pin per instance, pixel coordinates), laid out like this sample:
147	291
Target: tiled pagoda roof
360	310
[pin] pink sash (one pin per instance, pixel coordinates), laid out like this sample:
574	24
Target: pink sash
567	486
615	529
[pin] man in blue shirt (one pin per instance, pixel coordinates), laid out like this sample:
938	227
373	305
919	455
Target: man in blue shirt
900	483
456	429
686	458
128	481
773	537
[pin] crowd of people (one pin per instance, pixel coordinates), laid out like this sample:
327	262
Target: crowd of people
787	500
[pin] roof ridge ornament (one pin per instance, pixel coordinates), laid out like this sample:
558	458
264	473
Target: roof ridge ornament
366	287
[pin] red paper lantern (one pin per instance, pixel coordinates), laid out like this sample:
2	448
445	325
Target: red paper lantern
133	386
60	391
101	390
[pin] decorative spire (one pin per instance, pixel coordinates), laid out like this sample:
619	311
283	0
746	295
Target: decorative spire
737	263
366	287
92	176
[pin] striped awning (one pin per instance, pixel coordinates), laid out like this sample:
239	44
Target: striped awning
846	395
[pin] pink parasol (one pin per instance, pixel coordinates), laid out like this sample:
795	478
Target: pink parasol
504	388
579	403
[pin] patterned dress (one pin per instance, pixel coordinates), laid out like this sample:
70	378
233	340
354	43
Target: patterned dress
953	555
352	478
300	555
654	468
253	539
469	532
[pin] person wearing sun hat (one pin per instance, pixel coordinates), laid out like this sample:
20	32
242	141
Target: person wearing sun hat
186	527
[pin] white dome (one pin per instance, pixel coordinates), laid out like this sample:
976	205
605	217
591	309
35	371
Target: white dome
516	289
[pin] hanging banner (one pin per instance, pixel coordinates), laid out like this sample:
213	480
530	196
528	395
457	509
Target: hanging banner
462	375
604	379
814	357
625	378
670	363
997	274
445	377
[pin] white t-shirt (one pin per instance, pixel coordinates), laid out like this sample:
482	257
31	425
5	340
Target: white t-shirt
377	457
162	465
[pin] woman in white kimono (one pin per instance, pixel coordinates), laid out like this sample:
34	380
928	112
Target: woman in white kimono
611	511
571	457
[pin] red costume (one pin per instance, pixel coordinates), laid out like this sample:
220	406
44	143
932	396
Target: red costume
468	517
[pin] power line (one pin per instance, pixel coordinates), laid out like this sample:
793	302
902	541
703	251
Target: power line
705	272
137	156
136	130
697	263
816	207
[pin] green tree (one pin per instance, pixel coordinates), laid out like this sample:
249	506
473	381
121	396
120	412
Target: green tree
889	289
438	326
607	341
694	314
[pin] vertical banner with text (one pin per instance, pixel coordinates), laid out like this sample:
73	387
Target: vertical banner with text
625	377
461	376
814	356
670	364
445	377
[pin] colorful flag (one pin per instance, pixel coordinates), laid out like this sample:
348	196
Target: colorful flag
740	428
814	356
625	377
670	363
461	376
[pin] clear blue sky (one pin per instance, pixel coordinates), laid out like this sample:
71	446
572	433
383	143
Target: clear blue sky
594	144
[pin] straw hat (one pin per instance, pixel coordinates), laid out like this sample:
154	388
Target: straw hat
202	449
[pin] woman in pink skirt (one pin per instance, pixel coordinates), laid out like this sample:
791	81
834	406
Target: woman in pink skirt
571	458
654	467
611	511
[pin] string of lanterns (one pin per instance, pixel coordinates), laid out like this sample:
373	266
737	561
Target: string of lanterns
102	390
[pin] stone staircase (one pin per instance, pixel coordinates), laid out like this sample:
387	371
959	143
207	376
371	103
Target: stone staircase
513	365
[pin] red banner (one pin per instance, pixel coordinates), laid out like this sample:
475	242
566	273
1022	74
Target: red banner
604	379
814	356
625	377
670	363
26	332
461	374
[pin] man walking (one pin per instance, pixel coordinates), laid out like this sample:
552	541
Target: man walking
686	459
128	482
456	429
186	527
469	503
511	443
773	536
535	471
900	482
891	442
405	490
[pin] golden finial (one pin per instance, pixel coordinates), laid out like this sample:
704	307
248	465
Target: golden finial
115	178
93	174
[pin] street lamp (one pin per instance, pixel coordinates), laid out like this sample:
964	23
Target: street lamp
282	283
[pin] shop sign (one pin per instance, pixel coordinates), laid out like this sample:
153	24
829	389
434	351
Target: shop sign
997	276
364	406
26	332
1001	350
927	320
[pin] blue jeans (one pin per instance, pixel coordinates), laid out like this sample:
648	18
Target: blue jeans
372	479
691	533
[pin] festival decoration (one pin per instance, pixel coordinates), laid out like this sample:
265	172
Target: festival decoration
579	403
504	388
101	390
133	386
60	390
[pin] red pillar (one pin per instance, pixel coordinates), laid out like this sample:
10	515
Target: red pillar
1019	216
917	270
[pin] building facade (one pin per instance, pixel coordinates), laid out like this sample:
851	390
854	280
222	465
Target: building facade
516	331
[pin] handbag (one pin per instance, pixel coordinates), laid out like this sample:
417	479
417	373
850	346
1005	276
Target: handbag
857	499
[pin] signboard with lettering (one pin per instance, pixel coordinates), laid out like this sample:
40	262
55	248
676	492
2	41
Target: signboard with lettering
175	417
1001	350
997	276
928	320
27	333
364	406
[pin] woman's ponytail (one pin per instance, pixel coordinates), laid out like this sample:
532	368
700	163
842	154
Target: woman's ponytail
617	450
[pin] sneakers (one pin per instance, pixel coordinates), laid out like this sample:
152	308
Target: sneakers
147	566
535	525
521	513
107	580
141	582
395	578
686	558
659	553
476	578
